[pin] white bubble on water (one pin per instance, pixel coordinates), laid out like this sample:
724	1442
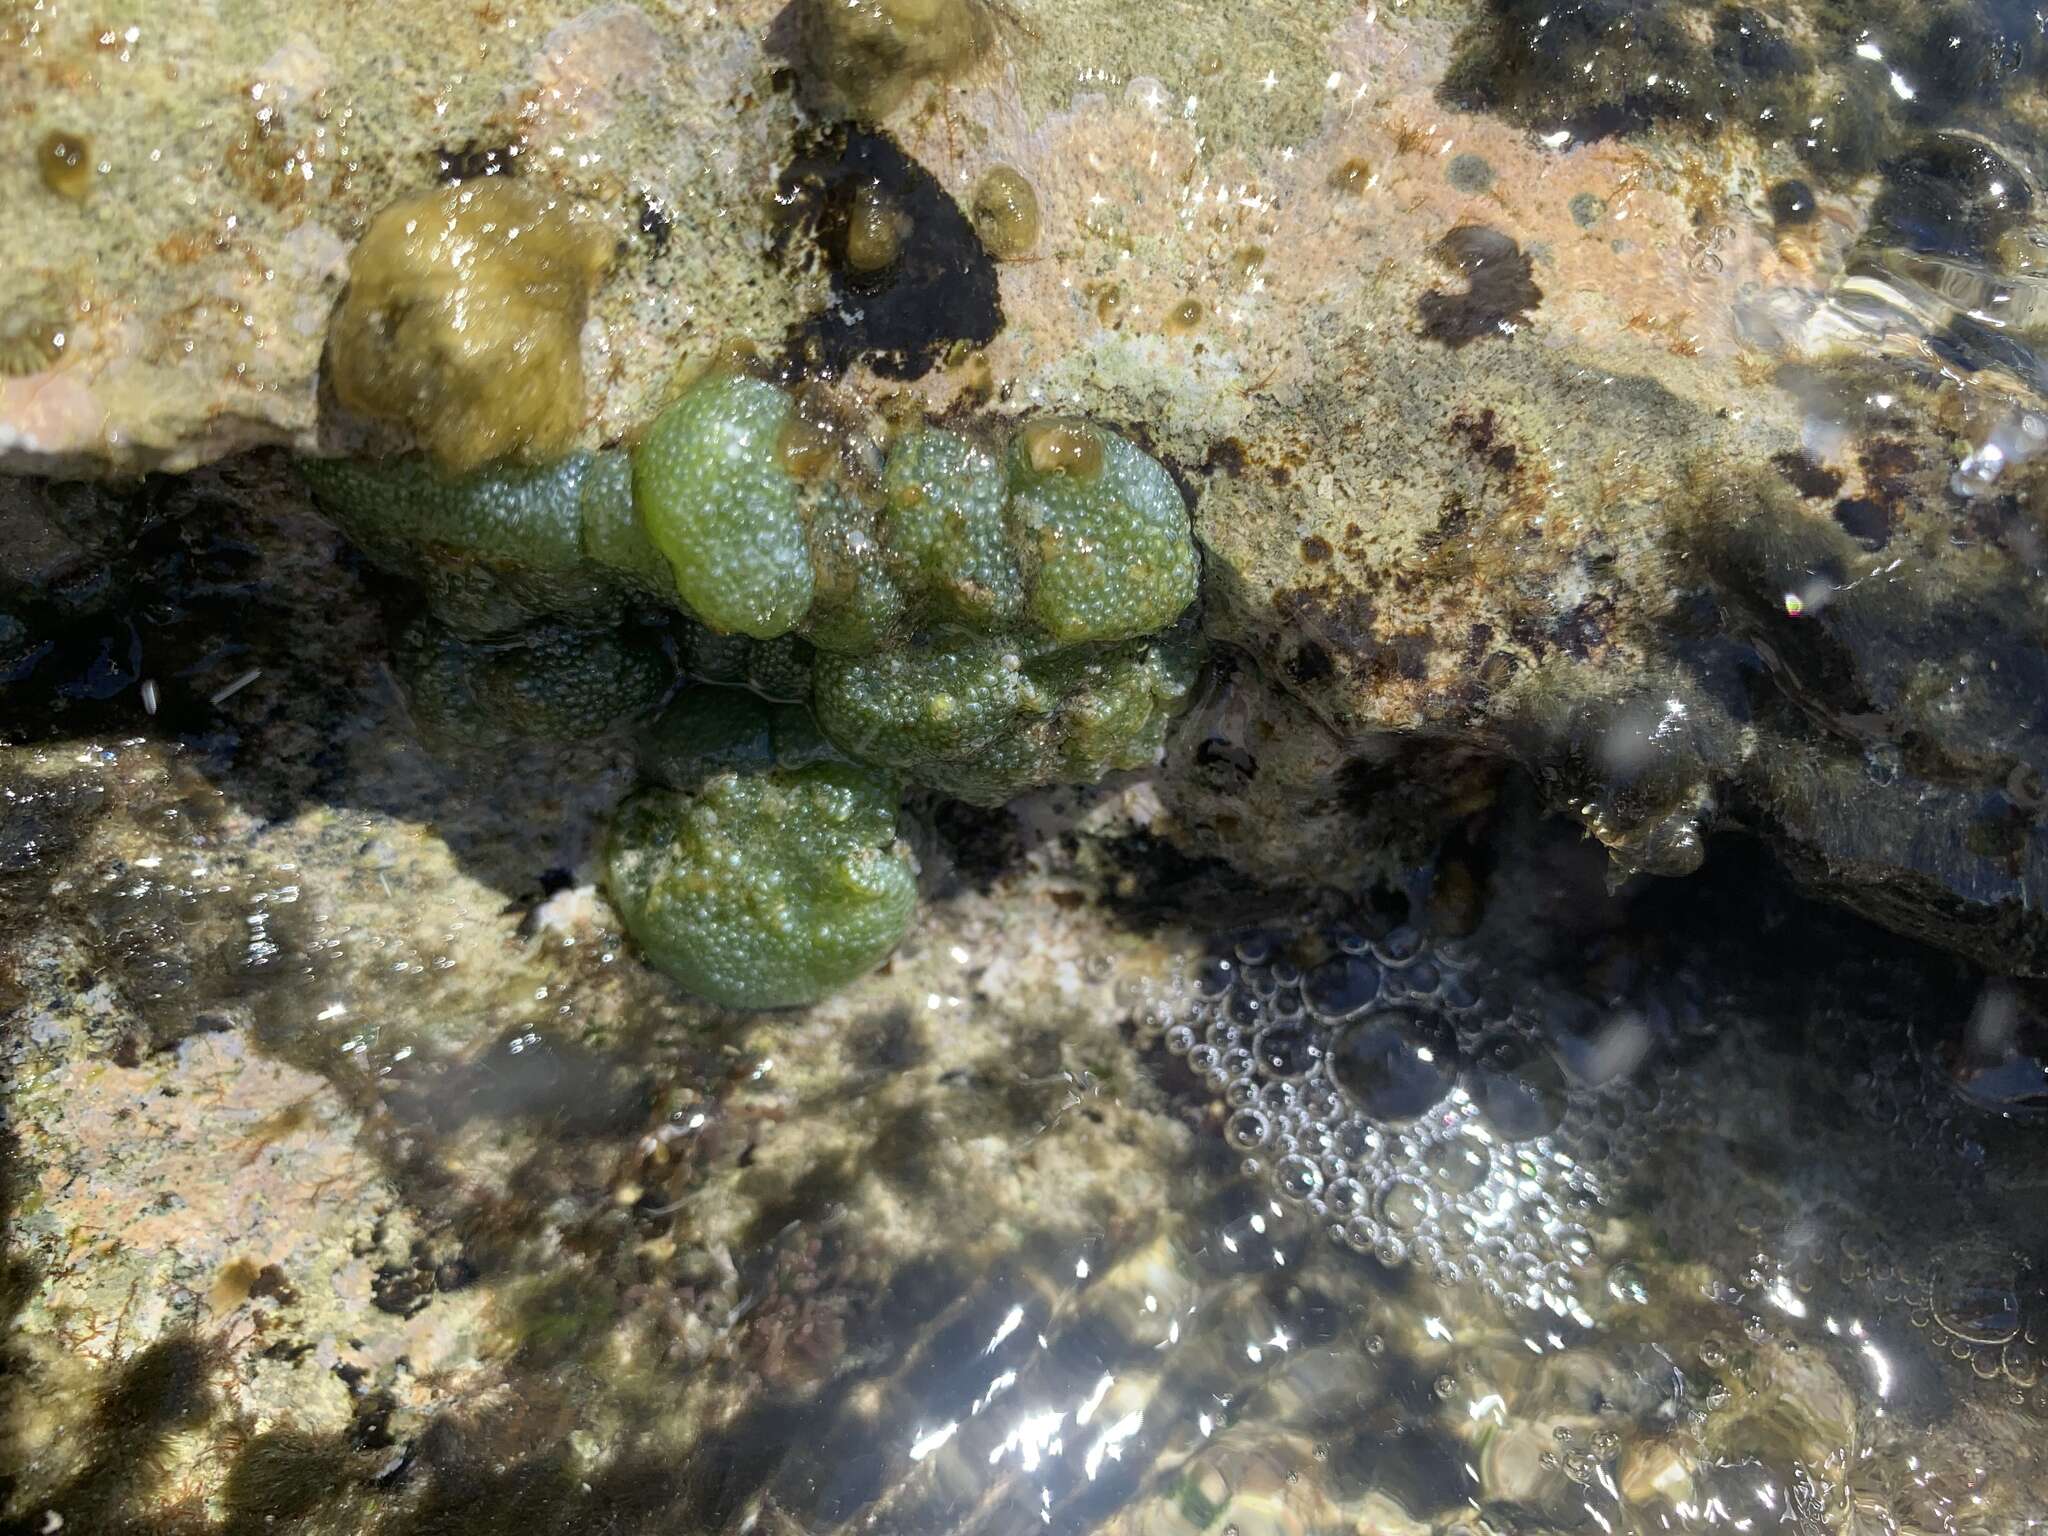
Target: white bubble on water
1417	1119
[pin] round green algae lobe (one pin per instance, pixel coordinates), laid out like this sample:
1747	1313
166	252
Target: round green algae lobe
943	525
717	502
504	515
1103	532
1117	703
859	618
767	888
495	548
574	517
985	719
909	709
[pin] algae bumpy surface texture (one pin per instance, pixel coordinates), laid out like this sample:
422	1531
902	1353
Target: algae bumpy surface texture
982	616
773	874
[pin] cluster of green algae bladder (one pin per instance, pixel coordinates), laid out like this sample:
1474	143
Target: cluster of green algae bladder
858	606
982	620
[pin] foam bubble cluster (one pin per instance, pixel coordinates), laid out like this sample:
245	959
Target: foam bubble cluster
1422	1122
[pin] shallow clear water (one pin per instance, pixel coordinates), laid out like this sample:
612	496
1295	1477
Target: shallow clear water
1676	1209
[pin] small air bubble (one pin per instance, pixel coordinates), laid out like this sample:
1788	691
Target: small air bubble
1297	1178
1247	1130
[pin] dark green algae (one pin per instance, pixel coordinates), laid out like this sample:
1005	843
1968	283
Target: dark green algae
979	619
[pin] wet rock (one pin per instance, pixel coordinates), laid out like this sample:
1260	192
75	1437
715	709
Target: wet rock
196	287
912	277
1949	195
512	1230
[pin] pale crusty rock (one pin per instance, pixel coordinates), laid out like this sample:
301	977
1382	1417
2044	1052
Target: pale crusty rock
235	166
239	154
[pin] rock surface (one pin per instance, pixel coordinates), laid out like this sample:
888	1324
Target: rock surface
360	1178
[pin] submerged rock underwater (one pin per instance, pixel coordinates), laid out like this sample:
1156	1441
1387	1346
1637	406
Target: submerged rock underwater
925	766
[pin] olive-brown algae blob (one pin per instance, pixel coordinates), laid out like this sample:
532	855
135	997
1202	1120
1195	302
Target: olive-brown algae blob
463	322
869	54
65	161
876	227
1065	446
1184	318
1006	213
1353	176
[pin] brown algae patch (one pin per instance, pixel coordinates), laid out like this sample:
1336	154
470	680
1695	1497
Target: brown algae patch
1005	213
463	322
65	162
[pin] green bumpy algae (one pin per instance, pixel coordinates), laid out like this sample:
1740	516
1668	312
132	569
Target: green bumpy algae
981	619
985	719
944	526
723	507
1105	531
776	875
741	513
721	730
501	546
463	322
551	682
778	670
859	607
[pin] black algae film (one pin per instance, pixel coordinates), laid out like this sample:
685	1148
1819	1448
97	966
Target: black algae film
936	292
